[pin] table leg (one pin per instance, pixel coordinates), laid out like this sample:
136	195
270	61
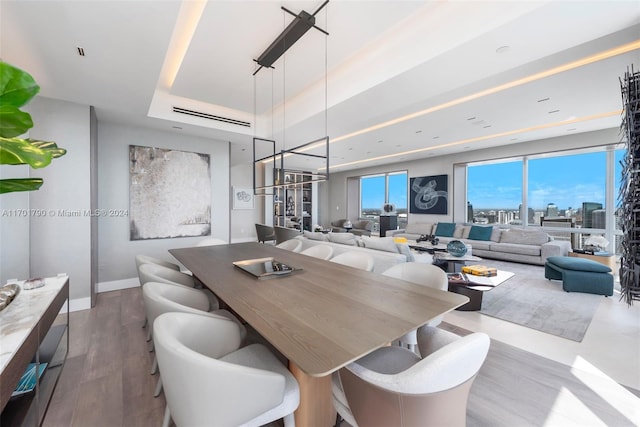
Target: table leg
316	405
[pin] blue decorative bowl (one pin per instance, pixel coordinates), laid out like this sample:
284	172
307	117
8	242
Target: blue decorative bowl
456	248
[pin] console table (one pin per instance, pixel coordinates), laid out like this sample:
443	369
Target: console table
33	332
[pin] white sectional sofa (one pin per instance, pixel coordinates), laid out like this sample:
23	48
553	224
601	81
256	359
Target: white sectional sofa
513	244
385	252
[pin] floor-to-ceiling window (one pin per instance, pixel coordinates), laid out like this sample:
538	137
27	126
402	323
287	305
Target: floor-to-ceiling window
569	194
376	190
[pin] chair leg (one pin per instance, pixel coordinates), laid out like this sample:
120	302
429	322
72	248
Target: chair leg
144	324
339	420
154	367
148	334
289	420
151	347
158	389
166	421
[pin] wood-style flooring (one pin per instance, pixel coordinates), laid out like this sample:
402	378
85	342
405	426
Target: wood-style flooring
106	380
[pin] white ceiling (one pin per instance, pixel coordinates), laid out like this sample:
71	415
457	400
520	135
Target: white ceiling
382	61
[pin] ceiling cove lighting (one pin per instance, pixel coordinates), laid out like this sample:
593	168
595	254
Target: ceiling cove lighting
302	23
484	138
626	48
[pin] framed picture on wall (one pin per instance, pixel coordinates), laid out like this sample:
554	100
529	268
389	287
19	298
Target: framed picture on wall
242	198
429	195
169	193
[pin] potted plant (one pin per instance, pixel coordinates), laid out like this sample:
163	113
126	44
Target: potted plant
17	88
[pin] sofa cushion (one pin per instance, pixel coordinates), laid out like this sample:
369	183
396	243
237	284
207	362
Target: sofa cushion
419	228
524	237
461	231
495	234
316	236
445	229
479	244
578	264
516	248
380	243
343	238
478	232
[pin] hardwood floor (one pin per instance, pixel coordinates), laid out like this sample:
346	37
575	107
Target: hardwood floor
106	380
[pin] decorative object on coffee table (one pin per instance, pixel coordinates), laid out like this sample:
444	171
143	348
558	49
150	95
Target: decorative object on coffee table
456	248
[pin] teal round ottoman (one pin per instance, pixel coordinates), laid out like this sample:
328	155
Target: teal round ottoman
580	275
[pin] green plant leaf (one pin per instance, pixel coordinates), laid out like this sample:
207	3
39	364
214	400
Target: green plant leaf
17	87
15	151
20	184
49	146
13	122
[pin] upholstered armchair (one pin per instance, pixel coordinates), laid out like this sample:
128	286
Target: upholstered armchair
360	228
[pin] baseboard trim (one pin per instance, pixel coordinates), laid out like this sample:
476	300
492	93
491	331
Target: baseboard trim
77	304
116	285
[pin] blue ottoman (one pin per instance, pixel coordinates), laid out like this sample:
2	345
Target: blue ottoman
580	275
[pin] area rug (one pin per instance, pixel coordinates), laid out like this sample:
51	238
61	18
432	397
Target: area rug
530	300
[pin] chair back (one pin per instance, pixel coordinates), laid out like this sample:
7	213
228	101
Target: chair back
293	245
146	259
421	274
434	391
265	233
199	388
283	234
354	259
162	298
212	241
319	251
158	273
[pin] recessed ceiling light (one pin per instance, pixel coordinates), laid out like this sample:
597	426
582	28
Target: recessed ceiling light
418	131
513	139
554	111
176	127
543	99
436	137
379	141
569	130
80	50
503	49
398	145
487	126
471	118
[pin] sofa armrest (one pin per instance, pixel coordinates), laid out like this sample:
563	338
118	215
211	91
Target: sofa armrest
394	232
555	248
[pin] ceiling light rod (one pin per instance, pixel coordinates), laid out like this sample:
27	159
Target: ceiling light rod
302	23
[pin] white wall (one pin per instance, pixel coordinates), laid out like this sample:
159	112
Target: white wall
60	235
14	228
116	253
243	220
444	165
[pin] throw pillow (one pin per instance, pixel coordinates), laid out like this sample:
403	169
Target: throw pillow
480	233
343	238
419	228
404	249
461	231
316	236
445	229
380	243
495	234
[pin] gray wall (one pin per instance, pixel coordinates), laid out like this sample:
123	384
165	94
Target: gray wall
338	199
243	220
14	228
60	236
116	252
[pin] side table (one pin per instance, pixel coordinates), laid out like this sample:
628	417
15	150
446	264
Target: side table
605	258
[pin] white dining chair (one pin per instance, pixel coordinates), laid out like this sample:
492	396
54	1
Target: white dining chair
319	251
158	273
420	274
209	380
360	260
293	245
146	259
393	386
162	298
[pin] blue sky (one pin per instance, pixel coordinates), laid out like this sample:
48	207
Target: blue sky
566	181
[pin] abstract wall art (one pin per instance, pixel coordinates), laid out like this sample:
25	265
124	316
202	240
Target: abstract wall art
428	195
169	193
242	198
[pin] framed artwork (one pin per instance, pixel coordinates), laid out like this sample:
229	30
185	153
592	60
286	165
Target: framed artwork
242	198
429	195
169	193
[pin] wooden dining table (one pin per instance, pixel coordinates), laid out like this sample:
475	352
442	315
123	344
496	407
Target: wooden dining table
321	318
